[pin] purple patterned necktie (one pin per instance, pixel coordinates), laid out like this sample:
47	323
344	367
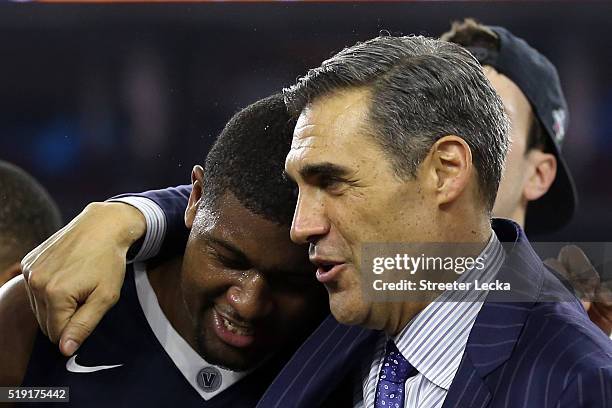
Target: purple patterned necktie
393	375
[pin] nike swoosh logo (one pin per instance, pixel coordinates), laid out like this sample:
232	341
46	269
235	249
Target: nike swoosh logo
74	367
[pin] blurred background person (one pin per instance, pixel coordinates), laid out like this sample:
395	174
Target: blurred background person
28	216
537	189
536	179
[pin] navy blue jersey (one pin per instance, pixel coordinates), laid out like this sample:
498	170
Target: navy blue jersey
133	368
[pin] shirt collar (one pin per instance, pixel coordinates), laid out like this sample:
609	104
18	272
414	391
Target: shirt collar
435	339
203	376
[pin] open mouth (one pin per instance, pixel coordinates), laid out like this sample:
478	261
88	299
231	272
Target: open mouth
232	332
235	328
326	267
328	271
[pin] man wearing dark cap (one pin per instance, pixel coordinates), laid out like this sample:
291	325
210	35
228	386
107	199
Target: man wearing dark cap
536	177
537	190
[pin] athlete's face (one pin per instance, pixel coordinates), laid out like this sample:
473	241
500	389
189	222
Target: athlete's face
248	289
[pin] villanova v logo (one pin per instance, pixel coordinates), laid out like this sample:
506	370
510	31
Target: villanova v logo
209	379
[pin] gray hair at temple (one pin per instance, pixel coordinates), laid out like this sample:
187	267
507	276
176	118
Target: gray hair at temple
422	89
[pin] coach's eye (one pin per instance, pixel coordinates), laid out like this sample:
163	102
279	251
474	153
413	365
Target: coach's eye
333	185
329	182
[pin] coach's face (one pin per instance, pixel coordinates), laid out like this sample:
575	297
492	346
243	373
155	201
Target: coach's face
248	289
349	195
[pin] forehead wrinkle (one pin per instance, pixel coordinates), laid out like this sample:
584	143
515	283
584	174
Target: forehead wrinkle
350	98
299	128
328	123
359	104
309	143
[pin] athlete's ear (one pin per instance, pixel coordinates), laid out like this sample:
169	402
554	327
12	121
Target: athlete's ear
197	181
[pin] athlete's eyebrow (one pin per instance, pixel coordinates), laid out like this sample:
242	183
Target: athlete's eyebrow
228	246
323	170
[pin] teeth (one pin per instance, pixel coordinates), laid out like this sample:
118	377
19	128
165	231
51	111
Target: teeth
235	329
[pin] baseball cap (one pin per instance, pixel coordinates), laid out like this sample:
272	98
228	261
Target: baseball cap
538	79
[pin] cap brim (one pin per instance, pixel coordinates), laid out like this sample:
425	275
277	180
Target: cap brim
556	208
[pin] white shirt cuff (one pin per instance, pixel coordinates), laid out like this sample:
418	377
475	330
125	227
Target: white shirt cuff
156	226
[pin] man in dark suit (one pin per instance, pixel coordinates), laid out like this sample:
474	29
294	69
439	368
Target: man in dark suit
398	149
317	365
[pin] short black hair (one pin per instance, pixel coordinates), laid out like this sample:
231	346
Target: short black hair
28	214
248	159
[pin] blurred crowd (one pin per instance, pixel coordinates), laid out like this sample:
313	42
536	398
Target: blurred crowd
100	100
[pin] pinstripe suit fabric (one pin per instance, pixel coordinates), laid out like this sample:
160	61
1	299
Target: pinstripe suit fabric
435	339
536	353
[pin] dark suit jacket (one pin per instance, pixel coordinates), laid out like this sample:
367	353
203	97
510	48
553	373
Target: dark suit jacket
541	351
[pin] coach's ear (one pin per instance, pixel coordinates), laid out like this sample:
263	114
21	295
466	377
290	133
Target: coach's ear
197	180
450	167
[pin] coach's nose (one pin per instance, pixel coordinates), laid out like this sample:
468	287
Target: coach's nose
310	221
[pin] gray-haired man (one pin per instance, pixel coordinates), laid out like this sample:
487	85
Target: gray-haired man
402	140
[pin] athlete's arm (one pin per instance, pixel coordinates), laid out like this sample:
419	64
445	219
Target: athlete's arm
172	202
75	276
17	332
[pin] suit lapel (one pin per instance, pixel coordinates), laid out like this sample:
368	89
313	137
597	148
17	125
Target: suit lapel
332	352
500	321
468	389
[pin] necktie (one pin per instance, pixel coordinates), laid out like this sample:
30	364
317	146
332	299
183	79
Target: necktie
393	375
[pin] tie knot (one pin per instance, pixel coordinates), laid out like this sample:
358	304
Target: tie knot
395	367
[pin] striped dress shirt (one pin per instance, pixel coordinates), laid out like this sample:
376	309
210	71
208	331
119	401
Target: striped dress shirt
155	219
532	354
434	341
